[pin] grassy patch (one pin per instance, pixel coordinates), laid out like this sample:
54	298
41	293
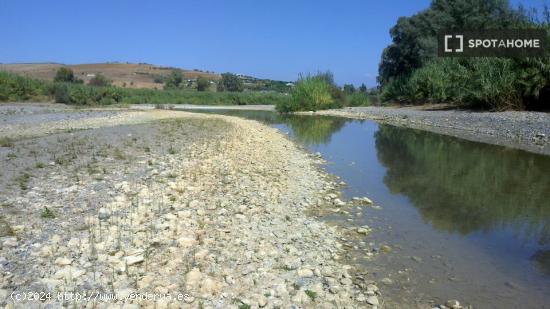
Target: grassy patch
47	213
23	181
311	294
6	142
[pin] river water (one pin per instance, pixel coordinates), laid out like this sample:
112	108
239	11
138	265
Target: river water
462	220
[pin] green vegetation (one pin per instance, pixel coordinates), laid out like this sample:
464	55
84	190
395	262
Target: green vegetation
47	213
23	181
174	80
99	81
230	82
411	72
6	142
316	92
18	88
202	83
66	75
311	294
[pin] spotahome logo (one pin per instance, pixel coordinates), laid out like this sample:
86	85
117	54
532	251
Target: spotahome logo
493	43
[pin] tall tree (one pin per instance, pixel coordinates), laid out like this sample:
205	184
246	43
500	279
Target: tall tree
414	39
231	82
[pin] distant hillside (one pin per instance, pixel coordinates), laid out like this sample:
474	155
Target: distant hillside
129	75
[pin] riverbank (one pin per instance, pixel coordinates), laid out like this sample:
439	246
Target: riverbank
528	131
119	202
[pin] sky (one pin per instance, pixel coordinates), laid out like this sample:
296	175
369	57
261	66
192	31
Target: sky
266	39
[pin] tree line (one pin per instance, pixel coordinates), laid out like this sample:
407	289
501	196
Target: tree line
411	72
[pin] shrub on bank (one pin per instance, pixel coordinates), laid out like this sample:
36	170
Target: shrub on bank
358	99
312	93
489	83
14	87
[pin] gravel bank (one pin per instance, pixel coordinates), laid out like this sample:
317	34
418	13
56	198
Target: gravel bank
209	207
207	107
529	131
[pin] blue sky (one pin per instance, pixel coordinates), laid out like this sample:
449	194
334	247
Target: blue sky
269	39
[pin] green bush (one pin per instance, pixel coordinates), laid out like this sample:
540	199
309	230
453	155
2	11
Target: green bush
489	83
99	81
64	75
18	88
174	80
310	93
358	99
202	84
61	93
231	82
411	72
396	90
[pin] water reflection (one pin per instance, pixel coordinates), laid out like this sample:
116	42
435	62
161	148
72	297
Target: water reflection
463	187
313	130
305	129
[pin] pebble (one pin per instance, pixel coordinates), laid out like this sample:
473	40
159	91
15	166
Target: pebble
305	273
373	300
133	259
63	261
103	214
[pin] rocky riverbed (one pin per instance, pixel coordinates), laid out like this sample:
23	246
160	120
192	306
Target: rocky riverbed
523	130
127	207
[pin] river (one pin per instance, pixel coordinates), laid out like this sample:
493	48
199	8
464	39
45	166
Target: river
460	219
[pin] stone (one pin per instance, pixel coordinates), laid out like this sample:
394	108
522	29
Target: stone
133	259
188	299
103	214
346	281
387	281
145	281
373	300
10	242
385	249
339	202
63	261
364	200
69	273
186	242
210	286
300	297
193	278
305	273
372	288
416	259
3	295
262	301
453	304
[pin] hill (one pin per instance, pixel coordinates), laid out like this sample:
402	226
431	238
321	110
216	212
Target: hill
129	75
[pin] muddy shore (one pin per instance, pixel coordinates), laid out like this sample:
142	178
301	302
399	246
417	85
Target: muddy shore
119	203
